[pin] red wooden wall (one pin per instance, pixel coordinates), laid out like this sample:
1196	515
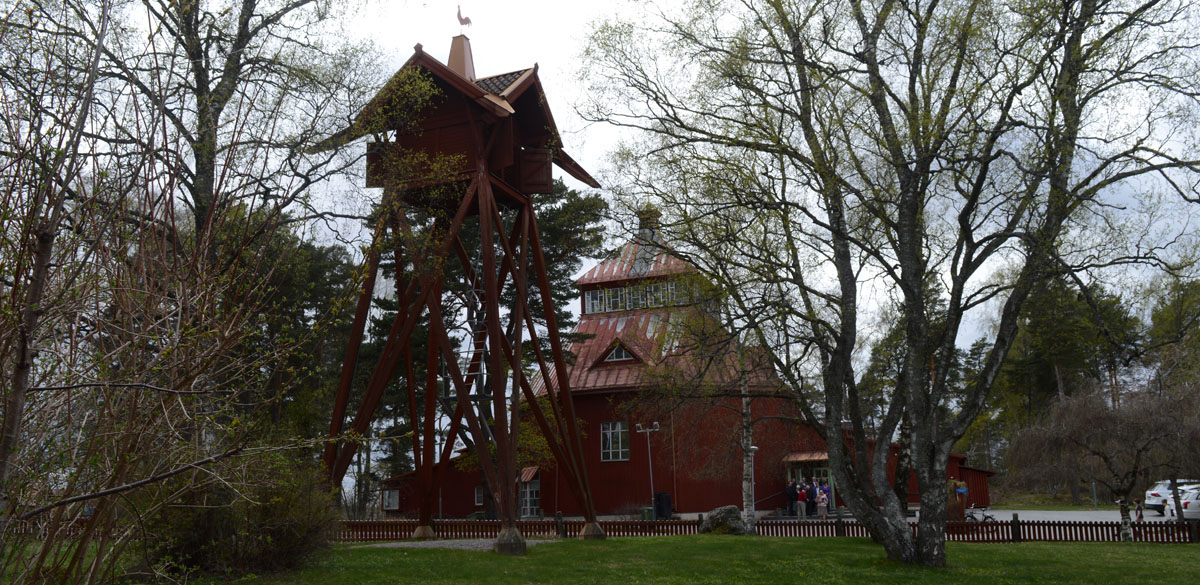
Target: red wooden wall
697	459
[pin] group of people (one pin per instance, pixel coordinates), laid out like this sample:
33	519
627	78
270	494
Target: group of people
808	499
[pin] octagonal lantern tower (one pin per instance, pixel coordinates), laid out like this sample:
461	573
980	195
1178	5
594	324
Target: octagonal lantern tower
453	151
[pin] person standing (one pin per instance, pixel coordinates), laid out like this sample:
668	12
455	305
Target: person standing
802	501
822	505
811	492
790	493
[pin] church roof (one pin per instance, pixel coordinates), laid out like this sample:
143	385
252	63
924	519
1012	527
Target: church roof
672	345
636	259
637	331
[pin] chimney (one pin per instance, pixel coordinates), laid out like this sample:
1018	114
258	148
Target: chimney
649	244
648	220
461	61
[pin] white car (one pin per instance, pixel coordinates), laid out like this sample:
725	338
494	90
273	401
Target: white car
1190	502
1159	494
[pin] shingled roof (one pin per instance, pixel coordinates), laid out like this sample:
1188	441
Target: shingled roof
496	84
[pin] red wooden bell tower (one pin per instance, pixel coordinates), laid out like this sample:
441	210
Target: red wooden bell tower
474	148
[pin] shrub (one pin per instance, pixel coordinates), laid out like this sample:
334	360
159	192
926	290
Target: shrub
274	524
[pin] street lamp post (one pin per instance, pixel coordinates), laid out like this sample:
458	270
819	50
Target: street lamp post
753	450
650	460
753	503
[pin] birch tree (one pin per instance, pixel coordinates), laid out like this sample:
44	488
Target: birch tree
820	158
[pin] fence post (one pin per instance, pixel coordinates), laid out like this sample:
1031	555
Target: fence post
839	529
560	528
1016	528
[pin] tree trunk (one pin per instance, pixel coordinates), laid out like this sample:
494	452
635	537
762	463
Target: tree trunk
14	405
368	511
892	532
748	514
1126	524
987	445
358	509
886	523
931	526
1114	386
1175	498
903	462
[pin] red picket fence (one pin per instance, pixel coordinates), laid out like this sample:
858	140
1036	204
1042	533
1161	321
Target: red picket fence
1063	531
1003	531
646	527
1155	532
810	528
977	531
1166	532
375	530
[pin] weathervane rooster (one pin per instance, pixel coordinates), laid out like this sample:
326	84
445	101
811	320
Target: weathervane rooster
464	21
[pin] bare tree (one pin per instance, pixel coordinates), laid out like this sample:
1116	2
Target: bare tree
44	188
144	352
1086	437
242	89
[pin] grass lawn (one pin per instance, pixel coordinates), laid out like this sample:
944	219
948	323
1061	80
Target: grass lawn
703	559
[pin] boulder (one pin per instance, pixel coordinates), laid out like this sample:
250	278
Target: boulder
724	520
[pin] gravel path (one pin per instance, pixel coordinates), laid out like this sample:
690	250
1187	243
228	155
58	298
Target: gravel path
481	544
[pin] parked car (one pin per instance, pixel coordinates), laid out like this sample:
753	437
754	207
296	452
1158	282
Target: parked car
1191	502
1160	493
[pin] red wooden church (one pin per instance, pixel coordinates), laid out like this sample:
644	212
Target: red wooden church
651	363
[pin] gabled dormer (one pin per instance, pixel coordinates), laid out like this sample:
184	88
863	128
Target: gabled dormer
618	354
